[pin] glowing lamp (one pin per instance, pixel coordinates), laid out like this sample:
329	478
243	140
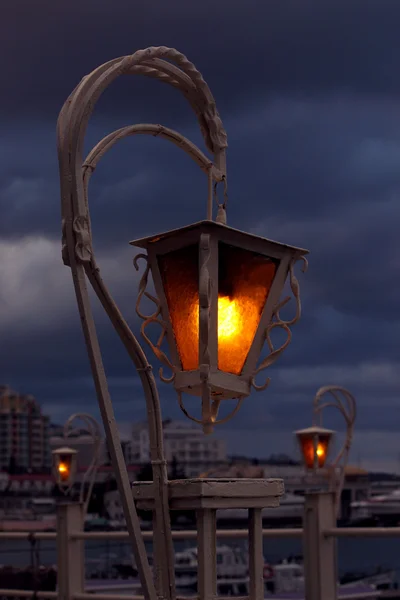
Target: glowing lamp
217	289
314	445
64	467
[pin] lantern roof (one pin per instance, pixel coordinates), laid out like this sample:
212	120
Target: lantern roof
207	226
65	450
315	429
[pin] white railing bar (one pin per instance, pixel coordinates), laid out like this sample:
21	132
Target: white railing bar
98	594
183	535
362	596
28	593
26	535
89	596
363	532
113	587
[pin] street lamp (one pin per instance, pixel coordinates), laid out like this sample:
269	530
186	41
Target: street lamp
315	442
65	458
218	301
64	468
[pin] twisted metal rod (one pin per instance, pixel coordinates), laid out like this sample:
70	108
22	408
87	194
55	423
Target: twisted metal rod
79	255
345	402
94	431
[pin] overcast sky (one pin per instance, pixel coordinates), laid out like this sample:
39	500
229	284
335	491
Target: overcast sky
309	92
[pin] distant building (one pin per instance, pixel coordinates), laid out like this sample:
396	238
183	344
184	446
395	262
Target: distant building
24	433
192	450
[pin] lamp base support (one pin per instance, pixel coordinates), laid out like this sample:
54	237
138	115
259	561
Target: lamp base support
70	552
320	552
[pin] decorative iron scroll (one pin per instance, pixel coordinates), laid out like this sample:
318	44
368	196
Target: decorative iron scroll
155	317
215	403
277	322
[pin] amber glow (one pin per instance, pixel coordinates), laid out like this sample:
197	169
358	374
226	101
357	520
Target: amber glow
310	451
64	470
244	282
228	318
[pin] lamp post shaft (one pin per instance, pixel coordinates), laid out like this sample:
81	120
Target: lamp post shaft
70	552
320	553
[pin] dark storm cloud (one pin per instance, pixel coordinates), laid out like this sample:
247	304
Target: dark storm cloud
288	46
309	95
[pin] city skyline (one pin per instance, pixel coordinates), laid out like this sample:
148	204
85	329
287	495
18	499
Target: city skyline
313	121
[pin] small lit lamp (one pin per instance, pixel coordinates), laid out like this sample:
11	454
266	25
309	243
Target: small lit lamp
315	444
64	468
315	441
218	291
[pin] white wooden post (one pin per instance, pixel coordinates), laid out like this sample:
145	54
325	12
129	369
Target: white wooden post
320	553
256	555
70	553
206	553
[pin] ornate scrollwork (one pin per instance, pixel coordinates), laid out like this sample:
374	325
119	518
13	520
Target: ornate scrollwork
155	317
277	322
83	245
215	403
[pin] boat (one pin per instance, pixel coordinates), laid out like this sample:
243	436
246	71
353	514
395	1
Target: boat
232	571
288	577
282	581
382	508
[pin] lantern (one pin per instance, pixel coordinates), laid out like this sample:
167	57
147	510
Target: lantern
64	467
217	290
314	445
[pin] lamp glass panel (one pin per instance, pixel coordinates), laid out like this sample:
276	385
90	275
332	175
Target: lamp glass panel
244	282
64	467
321	448
179	271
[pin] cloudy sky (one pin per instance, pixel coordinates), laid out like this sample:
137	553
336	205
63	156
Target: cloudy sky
309	92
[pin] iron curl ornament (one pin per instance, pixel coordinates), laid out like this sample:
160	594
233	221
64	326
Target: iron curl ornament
217	288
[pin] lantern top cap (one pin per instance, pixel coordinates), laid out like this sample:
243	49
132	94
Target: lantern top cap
207	226
315	429
65	450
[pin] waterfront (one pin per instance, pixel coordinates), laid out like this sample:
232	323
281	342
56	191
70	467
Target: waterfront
353	554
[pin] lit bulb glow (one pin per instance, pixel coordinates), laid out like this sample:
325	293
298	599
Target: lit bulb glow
228	318
312	453
246	275
63	469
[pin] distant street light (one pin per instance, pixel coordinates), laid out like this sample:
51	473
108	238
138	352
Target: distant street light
218	301
315	441
64	468
65	459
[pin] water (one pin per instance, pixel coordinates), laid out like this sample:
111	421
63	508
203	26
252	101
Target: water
354	554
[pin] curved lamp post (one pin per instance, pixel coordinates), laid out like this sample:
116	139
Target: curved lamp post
315	442
65	459
218	289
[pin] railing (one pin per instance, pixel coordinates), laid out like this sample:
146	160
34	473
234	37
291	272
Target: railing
319	550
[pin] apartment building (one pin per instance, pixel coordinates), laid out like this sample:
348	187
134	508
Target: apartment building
24	432
192	450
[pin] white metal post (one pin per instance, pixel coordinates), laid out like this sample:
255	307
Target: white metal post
320	554
206	553
70	553
256	555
